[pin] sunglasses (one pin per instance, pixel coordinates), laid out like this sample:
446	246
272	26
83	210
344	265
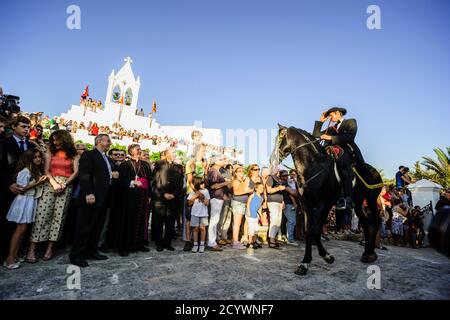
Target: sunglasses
255	169
83	149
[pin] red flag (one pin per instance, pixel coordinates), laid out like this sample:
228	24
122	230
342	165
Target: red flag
85	93
154	106
121	100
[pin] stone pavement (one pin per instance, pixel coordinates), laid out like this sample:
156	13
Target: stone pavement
268	274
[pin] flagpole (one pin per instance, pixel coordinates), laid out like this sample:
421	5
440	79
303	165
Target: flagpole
120	112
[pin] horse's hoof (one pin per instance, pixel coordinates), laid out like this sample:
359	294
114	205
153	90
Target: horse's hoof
329	259
301	270
369	258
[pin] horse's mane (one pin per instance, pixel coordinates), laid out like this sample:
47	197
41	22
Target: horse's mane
306	133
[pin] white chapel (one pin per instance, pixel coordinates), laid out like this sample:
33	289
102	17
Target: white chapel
121	107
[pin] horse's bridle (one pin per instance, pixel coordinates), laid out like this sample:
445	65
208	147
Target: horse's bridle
310	142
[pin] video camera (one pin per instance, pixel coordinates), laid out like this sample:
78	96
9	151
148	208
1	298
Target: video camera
9	104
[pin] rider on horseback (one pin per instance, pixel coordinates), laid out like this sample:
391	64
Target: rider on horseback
341	134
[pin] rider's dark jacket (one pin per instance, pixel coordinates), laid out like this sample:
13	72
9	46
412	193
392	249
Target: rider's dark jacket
343	137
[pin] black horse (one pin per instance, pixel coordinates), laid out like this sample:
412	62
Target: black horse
321	190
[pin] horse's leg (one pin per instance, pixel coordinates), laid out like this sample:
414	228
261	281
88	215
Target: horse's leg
322	215
302	269
364	223
376	222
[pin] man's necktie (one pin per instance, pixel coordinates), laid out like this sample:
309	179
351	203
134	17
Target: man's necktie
335	127
22	145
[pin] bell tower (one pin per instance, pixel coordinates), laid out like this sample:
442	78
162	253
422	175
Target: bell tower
123	87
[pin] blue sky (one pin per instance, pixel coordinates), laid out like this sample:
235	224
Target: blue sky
246	64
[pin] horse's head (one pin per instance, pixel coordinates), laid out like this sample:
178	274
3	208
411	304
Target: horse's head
283	145
281	148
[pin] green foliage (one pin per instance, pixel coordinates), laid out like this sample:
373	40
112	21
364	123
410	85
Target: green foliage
119	147
46	134
155	156
386	180
437	171
182	155
89	146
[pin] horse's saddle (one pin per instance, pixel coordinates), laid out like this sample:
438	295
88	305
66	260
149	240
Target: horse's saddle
335	152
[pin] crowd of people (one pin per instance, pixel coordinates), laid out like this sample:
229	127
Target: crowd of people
92	104
402	223
56	192
44	124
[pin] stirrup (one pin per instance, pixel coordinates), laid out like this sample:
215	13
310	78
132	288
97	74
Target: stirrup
341	204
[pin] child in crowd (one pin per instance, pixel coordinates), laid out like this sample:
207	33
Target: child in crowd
22	210
254	207
399	217
199	200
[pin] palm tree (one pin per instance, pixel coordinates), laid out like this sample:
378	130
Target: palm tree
438	170
385	179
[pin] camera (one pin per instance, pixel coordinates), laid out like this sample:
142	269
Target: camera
9	104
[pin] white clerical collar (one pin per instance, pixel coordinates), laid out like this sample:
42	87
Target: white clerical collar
340	122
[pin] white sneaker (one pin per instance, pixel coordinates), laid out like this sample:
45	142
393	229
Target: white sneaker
201	249
195	248
293	243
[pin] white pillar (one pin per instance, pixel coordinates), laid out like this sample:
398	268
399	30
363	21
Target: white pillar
424	191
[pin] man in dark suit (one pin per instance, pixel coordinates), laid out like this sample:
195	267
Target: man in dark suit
95	175
167	188
11	149
341	134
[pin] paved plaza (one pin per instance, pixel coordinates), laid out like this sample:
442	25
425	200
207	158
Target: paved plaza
269	274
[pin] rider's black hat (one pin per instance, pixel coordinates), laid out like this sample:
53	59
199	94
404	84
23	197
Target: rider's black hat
334	109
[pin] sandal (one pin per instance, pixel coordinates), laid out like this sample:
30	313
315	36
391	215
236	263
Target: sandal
274	245
48	258
29	260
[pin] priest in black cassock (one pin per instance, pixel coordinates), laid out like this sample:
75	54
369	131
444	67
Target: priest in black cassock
135	182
